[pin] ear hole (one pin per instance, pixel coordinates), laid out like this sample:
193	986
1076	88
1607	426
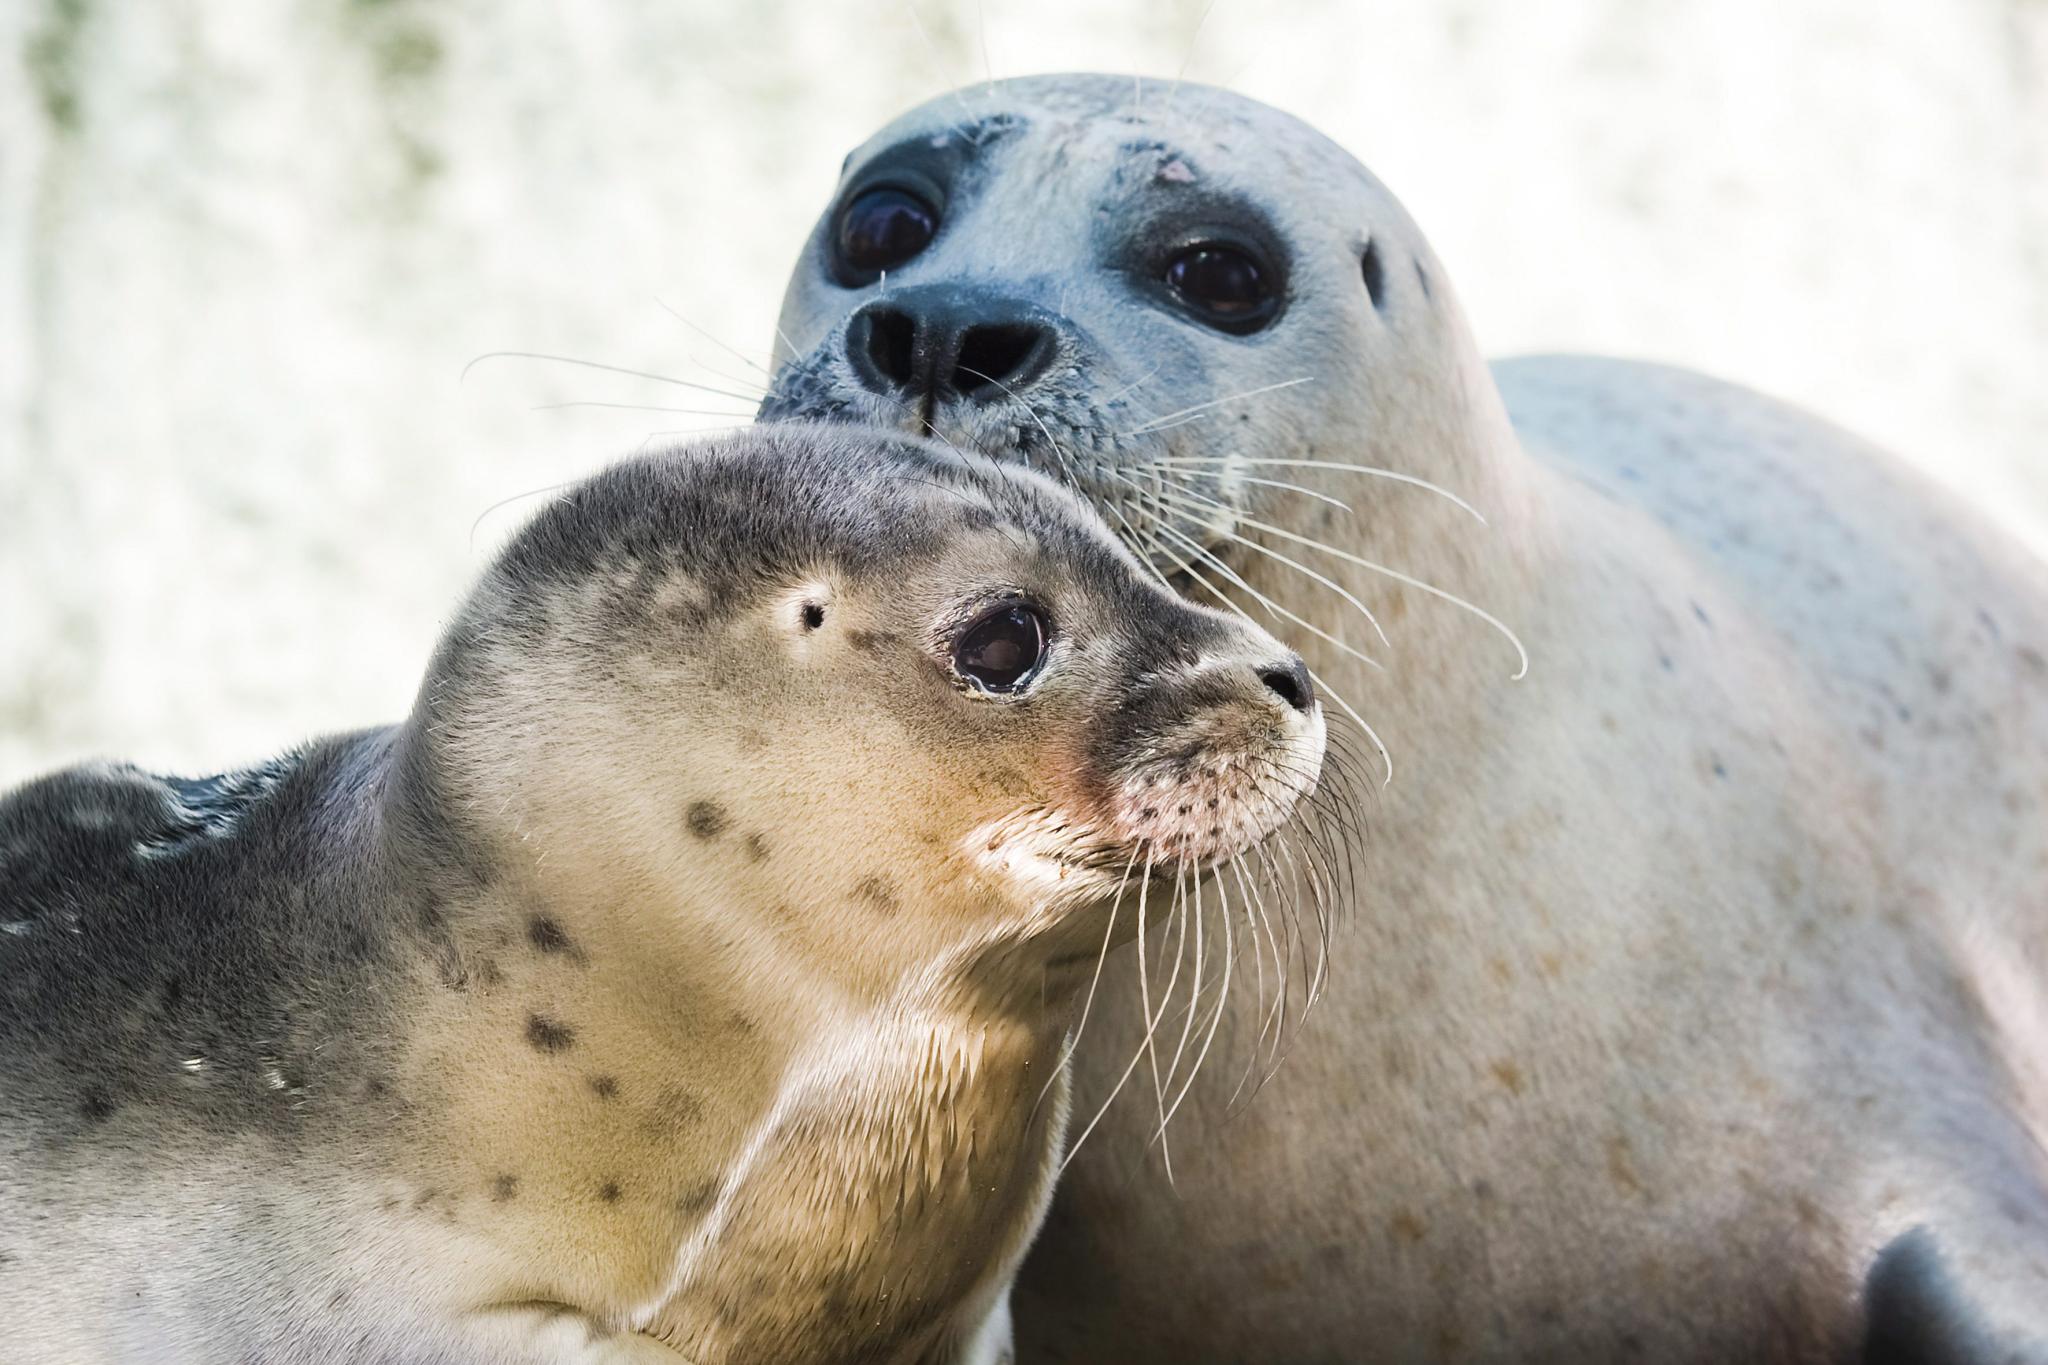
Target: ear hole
1375	276
1422	278
813	615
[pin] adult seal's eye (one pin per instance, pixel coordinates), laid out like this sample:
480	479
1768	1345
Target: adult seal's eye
1223	286
880	229
1003	650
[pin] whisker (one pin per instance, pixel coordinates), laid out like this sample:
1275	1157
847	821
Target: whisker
1088	1002
1399	577
1296	565
600	365
1161	468
639	407
727	347
1373	470
1160	423
1208	557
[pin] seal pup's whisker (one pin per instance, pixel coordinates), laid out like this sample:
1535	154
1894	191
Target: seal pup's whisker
1163	422
1095	979
1222	1004
1372	471
1191	918
1230	603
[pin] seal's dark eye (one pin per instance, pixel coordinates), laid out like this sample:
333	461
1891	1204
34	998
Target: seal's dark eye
880	229
1003	650
1225	287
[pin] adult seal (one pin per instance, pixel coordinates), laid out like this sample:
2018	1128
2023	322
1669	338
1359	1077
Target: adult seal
1693	1004
683	981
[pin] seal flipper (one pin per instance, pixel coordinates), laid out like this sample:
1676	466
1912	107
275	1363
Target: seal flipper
1915	1313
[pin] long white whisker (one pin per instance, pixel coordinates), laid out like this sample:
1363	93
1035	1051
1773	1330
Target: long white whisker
1208	557
727	347
1159	423
1373	470
1164	469
1294	564
600	365
1399	577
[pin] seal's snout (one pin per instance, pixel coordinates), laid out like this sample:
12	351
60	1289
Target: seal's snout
1290	682
944	344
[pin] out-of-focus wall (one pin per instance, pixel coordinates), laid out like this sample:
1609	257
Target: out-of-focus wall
248	246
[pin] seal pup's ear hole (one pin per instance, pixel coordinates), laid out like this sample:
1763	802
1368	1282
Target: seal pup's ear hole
1375	275
803	608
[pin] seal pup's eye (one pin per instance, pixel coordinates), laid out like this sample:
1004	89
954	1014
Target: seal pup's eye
1223	286
1002	650
881	228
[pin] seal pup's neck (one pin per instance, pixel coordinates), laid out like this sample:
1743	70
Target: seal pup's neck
657	1094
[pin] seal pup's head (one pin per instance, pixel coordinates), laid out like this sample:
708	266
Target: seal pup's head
1175	299
895	709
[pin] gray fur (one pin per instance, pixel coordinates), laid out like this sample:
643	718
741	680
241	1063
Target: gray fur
495	1036
1687	973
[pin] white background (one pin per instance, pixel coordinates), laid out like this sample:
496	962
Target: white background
248	246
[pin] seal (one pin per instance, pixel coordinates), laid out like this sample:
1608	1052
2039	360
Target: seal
685	979
1691	1002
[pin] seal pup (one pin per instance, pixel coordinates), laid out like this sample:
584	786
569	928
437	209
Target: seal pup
683	980
1695	1006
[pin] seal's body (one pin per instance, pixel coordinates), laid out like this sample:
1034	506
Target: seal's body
682	981
1694	1004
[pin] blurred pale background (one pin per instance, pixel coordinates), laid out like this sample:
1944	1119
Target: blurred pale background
248	246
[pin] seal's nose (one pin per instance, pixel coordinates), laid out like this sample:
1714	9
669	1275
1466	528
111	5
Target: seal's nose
939	344
1290	682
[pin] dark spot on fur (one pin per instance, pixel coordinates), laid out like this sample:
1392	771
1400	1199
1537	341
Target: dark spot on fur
504	1188
814	615
336	1299
605	1087
698	1197
545	933
426	1197
1375	276
97	1107
609	1191
872	641
879	892
490	973
675	1108
549	1035
757	848
741	1021
707	819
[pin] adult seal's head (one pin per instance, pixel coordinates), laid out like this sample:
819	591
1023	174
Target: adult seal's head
1178	300
686	974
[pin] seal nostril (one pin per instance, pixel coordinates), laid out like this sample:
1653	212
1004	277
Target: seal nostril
996	358
1290	684
882	344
